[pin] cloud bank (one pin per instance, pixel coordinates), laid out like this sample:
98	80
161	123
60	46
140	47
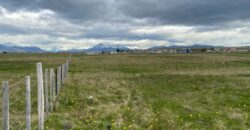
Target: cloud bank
67	24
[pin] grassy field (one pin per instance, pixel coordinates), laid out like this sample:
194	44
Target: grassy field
14	68
158	92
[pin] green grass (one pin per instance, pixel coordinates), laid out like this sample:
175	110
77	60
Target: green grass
193	91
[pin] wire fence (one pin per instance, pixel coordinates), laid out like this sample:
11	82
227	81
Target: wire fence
26	105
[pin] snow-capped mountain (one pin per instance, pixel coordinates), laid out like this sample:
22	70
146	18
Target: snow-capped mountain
20	49
107	47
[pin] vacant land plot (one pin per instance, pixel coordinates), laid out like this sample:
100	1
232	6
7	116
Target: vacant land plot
189	91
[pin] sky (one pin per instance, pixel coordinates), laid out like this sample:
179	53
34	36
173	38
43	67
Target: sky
68	24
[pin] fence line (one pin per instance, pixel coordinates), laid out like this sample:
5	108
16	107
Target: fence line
50	83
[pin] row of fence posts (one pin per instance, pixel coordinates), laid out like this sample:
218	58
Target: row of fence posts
52	86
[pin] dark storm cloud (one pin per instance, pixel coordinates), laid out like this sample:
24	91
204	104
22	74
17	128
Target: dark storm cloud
19	4
77	9
71	9
187	12
74	21
181	12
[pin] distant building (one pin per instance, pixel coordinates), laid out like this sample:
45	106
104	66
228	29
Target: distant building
243	49
113	52
184	51
230	50
163	50
93	53
171	51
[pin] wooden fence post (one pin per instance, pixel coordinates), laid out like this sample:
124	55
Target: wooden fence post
70	58
65	70
58	79
54	84
51	88
40	96
28	104
67	67
5	105
62	73
47	91
60	76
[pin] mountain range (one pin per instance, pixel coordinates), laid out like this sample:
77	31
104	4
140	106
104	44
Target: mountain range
19	49
107	47
195	46
99	48
9	47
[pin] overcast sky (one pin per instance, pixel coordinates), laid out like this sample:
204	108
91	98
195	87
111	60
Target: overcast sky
66	24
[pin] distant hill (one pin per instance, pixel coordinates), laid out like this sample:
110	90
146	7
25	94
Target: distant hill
195	46
9	47
19	49
107	47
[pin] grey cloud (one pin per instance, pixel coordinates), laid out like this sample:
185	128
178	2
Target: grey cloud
187	12
181	12
19	4
70	9
78	9
89	18
11	30
120	35
115	32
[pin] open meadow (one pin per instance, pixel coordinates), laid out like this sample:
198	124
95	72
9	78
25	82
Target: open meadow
137	91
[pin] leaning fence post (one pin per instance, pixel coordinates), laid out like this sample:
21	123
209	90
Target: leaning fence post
28	104
46	91
40	96
58	79
51	89
5	105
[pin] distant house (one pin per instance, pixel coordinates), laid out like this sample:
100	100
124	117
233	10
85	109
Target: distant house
229	49
93	52
184	51
113	52
158	51
162	50
171	51
243	49
154	51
